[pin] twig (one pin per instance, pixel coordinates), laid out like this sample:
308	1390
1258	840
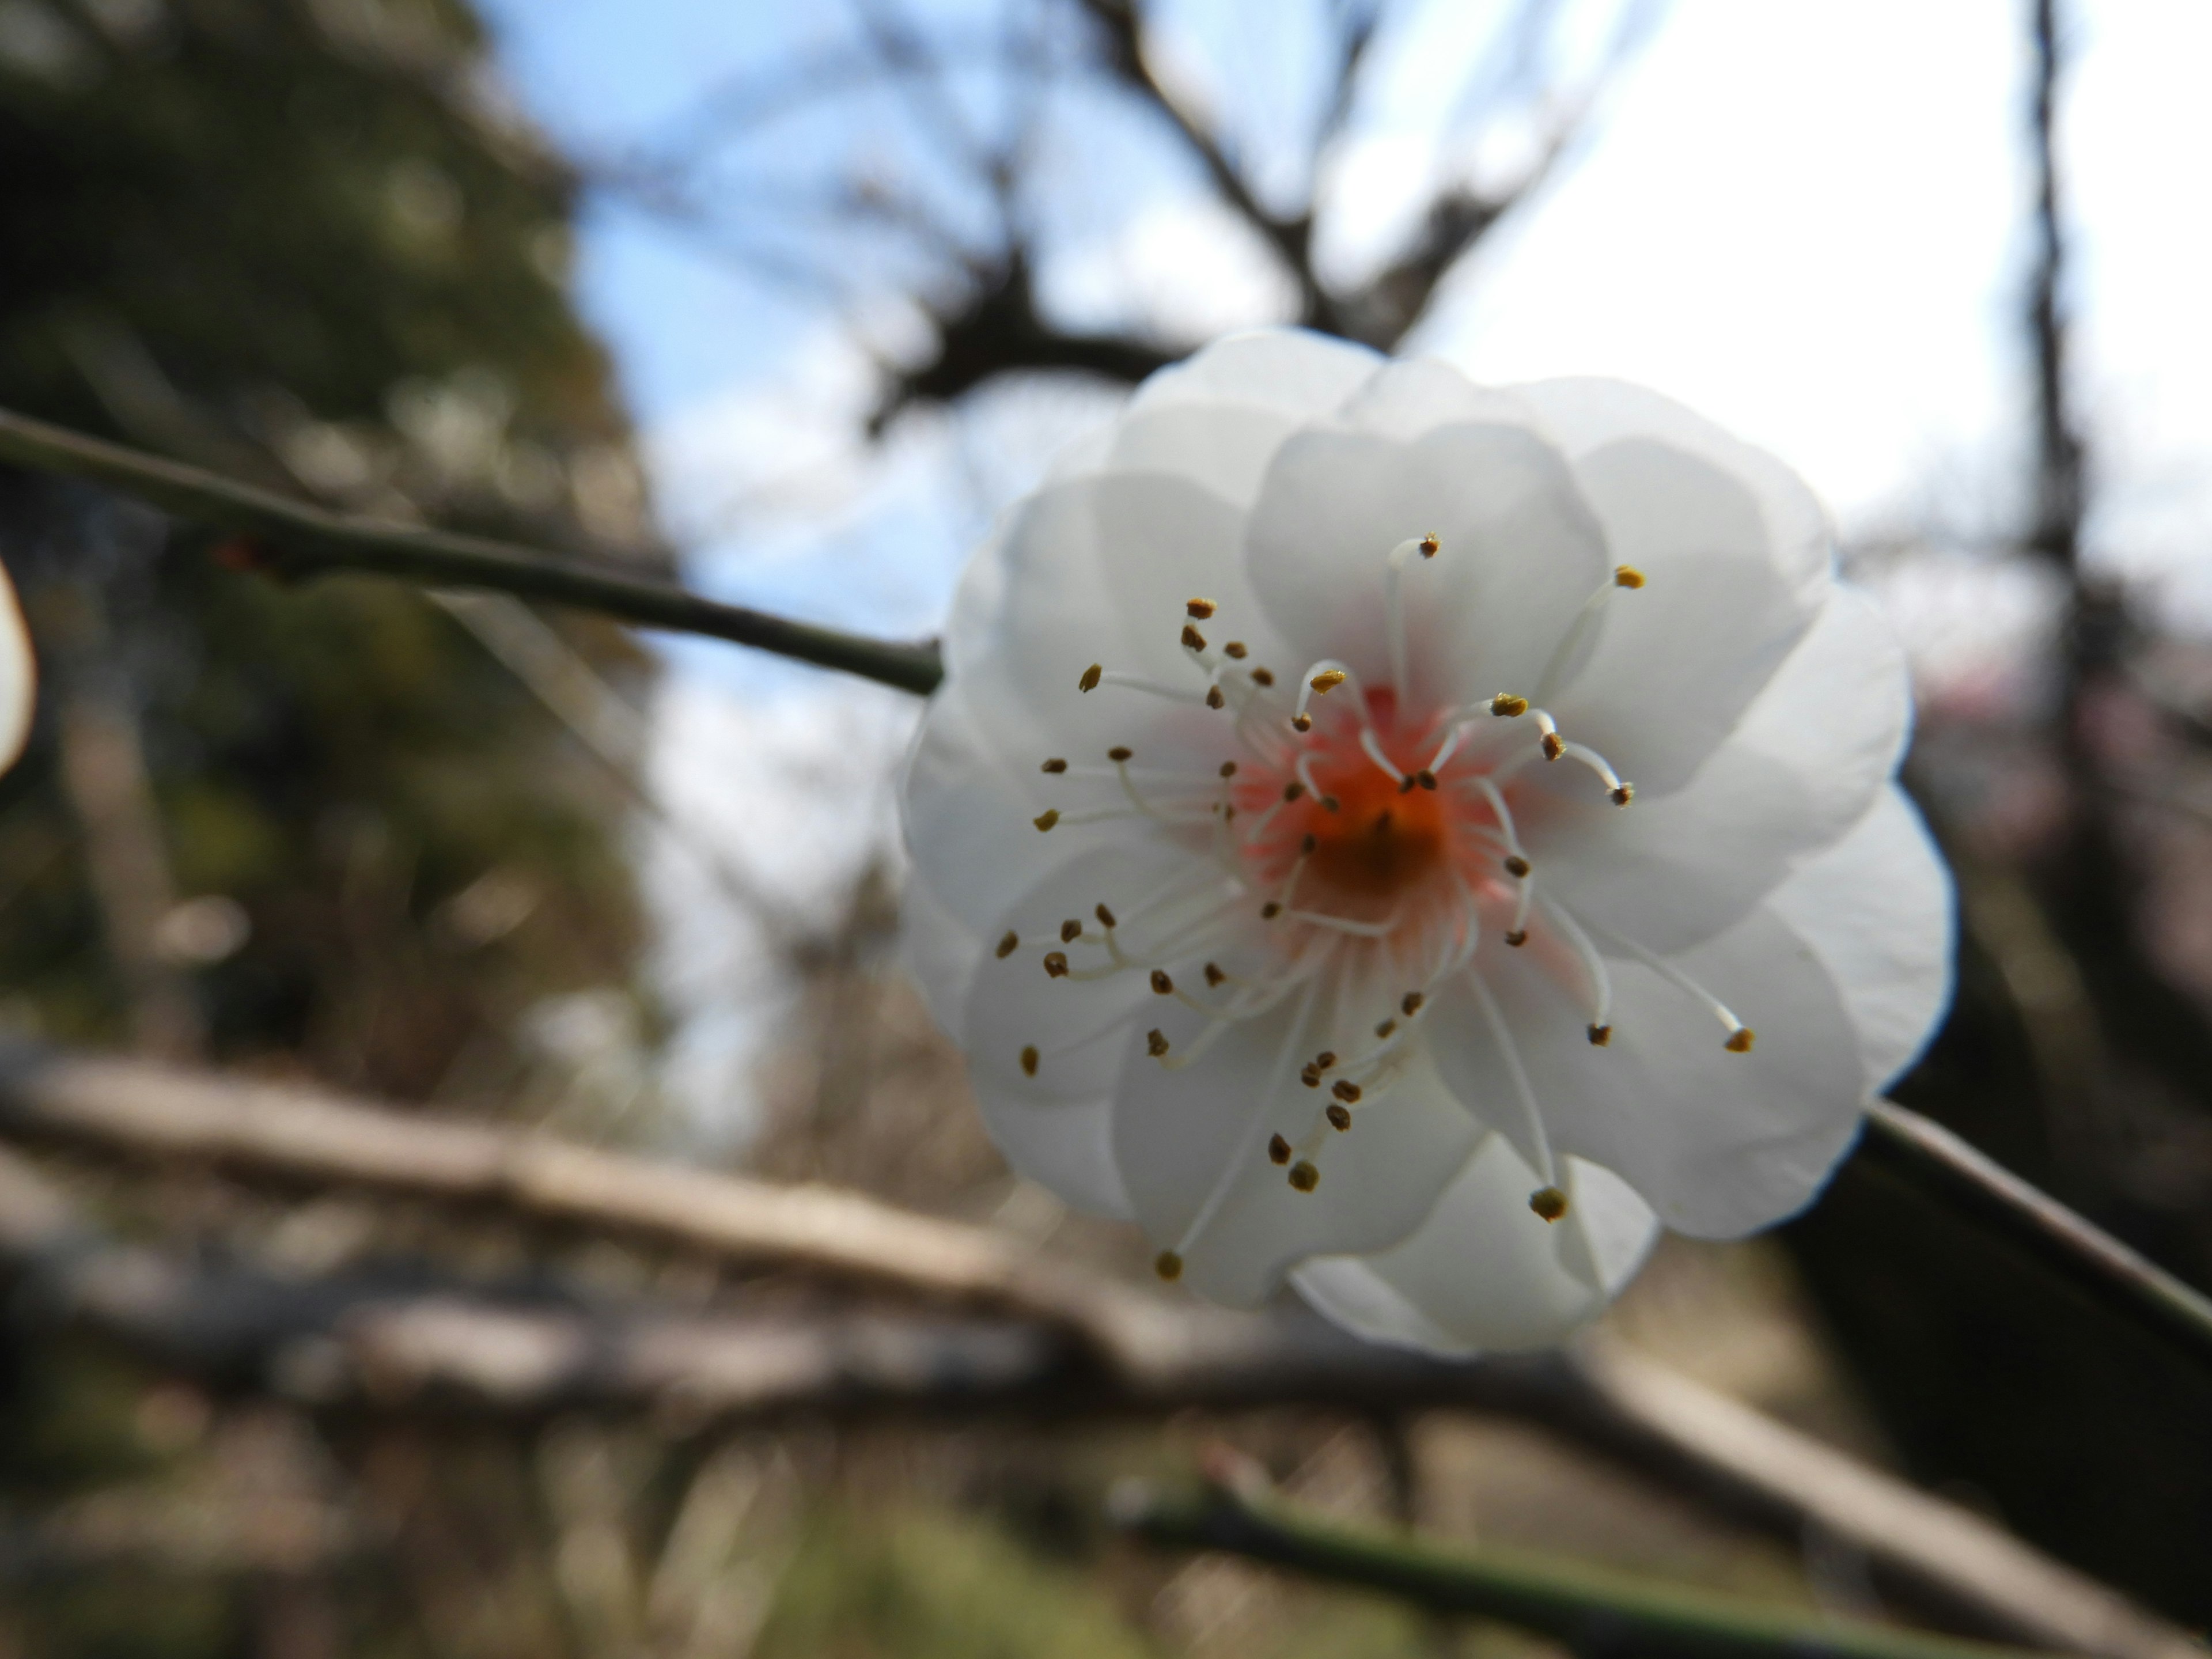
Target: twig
305	541
1133	1351
1941	1166
1590	1608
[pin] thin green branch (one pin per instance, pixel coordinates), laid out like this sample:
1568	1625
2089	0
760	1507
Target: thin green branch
301	540
1938	1165
1590	1609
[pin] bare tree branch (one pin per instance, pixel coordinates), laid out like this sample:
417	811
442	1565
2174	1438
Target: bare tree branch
1061	1340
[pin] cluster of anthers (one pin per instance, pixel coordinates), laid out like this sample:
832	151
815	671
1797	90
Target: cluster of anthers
1348	822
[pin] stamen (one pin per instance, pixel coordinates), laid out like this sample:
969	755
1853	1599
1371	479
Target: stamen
1548	1202
1503	814
1373	745
1524	1091
1168	1265
1394	606
1010	943
1277	1077
1121	754
1055	964
1214	699
1138	682
1345	1090
1213	974
1305	1177
1229	769
1202	608
1030	1060
1053	766
1340	1117
1156	1043
1741	1036
1105	916
1518	866
1279	1150
1234	649
1600	1029
1091	678
1070	931
1627	576
1326	681
1508	707
1386	1028
1262	677
1410	1004
1047	819
1162	984
1429	544
1192	639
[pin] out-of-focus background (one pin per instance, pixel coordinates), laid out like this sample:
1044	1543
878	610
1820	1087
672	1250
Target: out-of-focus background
790	301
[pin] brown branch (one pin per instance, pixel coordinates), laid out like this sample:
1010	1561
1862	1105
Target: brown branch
1075	1342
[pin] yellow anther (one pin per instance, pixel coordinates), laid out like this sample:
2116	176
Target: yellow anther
1327	680
1105	916
1161	983
1302	722
1055	765
1070	931
1303	1176
1508	707
1030	1060
1192	639
1554	745
1156	1043
1213	974
1046	819
1229	769
1517	938
1627	576
1345	1090
1624	794
1091	678
1168	1265
1234	649
1340	1117
1410	1004
1739	1040
1010	944
1600	1036
1279	1150
1310	1078
1548	1202
1386	1028
1214	699
1515	864
1261	676
1429	545
1120	752
1324	1060
1200	609
1055	965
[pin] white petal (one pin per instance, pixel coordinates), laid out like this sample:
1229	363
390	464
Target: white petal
18	676
1052	1124
1520	553
1484	1271
1816	746
1877	911
1584	416
1289	369
1669	668
1719	1143
1408	399
1179	1135
939	952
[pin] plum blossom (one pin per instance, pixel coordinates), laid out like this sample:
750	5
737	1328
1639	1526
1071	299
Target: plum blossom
1418	840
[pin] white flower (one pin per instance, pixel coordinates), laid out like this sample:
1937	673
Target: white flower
1437	789
18	676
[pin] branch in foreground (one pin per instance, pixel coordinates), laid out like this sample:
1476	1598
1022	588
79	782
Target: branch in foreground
1588	1609
1938	1165
306	541
1082	1343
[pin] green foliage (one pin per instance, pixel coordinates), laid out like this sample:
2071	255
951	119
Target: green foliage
298	241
